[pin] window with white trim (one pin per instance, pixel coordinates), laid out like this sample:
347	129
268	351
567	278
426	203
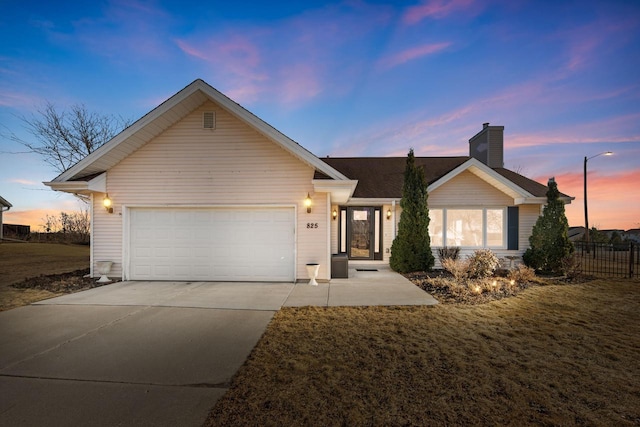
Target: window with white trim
468	228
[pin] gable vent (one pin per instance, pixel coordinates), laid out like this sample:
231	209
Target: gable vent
209	120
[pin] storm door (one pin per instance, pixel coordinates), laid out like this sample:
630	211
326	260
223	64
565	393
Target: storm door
362	232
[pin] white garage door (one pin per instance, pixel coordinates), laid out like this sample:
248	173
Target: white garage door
217	244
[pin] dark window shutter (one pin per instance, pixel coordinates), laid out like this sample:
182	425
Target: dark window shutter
513	219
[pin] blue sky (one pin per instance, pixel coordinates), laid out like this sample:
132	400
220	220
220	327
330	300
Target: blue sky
351	78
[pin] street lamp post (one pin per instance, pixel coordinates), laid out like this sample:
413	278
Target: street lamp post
586	212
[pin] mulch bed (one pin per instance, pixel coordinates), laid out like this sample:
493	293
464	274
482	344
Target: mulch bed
445	294
436	283
61	283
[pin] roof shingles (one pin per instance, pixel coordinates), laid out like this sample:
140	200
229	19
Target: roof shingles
382	177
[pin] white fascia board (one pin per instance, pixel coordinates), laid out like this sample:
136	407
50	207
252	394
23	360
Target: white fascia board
364	201
340	190
539	200
5	203
483	169
74	187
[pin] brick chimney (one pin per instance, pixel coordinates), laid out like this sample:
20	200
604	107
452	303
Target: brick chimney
488	146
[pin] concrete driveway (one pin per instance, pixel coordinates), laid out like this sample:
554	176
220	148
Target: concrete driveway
131	353
153	353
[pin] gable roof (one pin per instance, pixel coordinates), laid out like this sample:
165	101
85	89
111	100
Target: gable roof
167	114
383	177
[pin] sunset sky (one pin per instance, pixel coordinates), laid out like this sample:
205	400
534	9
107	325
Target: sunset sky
352	78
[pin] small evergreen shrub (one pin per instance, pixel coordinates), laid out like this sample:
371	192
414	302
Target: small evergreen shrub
411	249
549	239
482	264
448	253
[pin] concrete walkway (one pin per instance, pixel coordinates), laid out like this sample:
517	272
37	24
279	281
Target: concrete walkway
362	288
153	353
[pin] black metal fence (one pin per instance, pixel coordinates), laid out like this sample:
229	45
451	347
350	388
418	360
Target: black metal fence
609	260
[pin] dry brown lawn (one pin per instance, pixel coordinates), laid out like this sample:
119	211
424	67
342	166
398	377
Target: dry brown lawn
553	355
20	261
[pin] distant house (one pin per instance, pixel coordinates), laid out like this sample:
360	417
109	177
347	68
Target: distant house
634	235
4	206
16	231
576	233
202	189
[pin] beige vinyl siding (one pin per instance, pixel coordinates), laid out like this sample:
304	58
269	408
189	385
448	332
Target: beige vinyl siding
107	236
335	238
312	243
528	216
388	230
468	190
230	165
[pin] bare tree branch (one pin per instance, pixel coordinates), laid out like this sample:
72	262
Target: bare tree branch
63	138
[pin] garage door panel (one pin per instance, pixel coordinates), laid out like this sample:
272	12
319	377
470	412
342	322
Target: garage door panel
230	244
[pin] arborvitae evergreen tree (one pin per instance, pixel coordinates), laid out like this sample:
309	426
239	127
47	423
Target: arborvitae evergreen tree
549	240
411	249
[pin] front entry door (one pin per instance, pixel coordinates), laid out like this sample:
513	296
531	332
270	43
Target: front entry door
363	225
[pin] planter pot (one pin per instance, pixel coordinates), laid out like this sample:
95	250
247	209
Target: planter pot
104	267
312	270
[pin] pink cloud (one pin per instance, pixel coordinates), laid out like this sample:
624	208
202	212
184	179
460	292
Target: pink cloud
436	9
236	53
292	62
125	29
600	131
411	54
235	56
191	50
36	217
24	181
240	50
581	52
614	201
245	93
586	43
17	99
301	82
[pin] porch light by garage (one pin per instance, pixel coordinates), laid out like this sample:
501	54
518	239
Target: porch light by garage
307	203
107	203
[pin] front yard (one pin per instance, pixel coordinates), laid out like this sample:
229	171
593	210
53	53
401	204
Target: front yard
555	354
552	355
22	261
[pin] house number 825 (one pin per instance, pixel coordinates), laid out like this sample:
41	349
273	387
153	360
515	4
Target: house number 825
312	225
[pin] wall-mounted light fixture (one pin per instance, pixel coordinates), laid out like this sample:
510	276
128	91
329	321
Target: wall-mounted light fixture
388	213
107	203
307	203
334	214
